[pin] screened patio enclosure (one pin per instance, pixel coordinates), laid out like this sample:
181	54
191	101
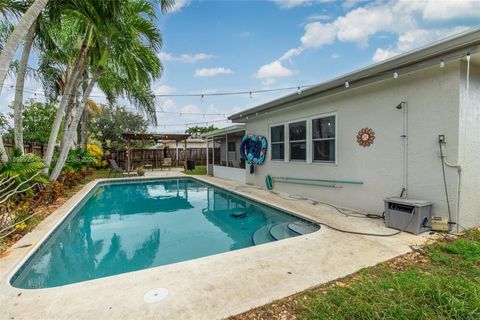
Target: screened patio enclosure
226	163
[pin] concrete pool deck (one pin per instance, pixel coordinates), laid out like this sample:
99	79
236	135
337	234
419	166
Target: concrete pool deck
212	287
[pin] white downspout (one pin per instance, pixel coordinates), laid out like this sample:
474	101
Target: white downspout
405	147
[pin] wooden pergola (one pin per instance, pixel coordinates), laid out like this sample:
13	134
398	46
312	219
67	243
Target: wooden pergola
156	137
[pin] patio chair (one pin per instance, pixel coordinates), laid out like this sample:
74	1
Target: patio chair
166	163
116	169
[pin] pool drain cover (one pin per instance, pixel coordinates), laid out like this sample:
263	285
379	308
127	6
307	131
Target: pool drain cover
155	295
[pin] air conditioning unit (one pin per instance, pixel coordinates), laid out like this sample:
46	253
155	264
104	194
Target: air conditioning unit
410	215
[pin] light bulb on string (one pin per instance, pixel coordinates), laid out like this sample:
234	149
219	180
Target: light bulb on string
347	84
202	97
251	96
395	75
299	90
442	63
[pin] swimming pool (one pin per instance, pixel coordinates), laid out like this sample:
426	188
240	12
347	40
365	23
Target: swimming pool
121	227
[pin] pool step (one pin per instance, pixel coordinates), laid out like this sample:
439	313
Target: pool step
281	231
238	213
301	227
262	235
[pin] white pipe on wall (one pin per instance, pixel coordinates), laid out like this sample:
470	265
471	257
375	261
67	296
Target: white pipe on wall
405	146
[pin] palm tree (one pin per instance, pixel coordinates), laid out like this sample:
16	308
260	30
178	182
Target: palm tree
19	87
8	9
18	34
123	48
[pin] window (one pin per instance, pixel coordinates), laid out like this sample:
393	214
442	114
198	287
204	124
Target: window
323	139
298	140
277	135
231	146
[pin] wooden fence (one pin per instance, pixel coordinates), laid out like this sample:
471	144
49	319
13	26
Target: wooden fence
36	148
156	156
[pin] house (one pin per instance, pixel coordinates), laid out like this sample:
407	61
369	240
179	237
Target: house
226	163
408	126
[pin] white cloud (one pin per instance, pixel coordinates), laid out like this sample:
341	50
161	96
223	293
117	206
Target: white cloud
164	89
191	108
184	58
414	39
351	3
318	34
210	72
404	18
245	34
447	10
318	17
273	70
291	53
288	4
335	56
179	4
361	23
276	69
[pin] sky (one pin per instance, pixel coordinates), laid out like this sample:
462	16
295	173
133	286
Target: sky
238	45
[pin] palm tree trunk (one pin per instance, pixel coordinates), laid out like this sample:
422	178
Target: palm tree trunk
84	129
19	86
67	120
73	127
72	84
84	121
17	36
3	152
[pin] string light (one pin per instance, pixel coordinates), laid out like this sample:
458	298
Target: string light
299	90
251	96
202	97
347	84
395	75
442	63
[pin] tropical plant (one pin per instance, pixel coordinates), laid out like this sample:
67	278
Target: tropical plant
128	32
20	168
197	130
37	119
114	120
78	159
12	8
91	107
97	153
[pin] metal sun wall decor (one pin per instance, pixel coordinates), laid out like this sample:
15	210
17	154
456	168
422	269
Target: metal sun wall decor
365	137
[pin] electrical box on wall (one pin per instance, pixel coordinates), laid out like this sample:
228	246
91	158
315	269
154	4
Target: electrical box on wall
440	224
408	215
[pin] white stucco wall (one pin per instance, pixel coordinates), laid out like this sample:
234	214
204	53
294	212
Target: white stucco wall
469	150
236	174
433	106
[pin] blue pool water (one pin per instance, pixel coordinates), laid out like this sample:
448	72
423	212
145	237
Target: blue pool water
123	227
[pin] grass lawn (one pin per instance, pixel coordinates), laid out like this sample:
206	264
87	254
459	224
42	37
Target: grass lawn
439	281
199	170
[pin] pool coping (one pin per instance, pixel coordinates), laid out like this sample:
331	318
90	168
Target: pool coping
18	268
19	253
